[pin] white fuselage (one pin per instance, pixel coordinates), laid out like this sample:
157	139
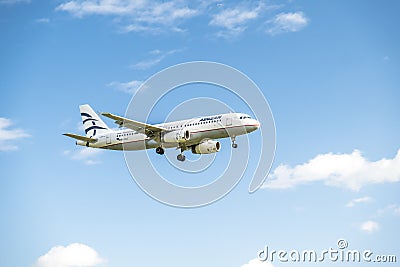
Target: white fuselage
199	129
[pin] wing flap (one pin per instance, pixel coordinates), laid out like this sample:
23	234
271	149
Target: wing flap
137	126
81	138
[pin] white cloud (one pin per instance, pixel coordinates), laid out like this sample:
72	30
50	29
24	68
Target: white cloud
100	7
396	209
87	155
92	162
86	152
155	52
43	20
155	17
8	135
73	255
165	12
148	63
139	15
140	28
350	171
257	263
287	22
126	87
234	20
355	201
369	226
392	208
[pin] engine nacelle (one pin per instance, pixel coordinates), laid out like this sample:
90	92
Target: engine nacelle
176	136
206	147
82	143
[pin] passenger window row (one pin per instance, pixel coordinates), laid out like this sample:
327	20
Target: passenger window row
196	123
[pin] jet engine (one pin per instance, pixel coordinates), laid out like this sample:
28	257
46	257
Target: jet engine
176	136
206	147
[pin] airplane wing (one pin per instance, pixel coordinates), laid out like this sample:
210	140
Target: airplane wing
137	126
81	138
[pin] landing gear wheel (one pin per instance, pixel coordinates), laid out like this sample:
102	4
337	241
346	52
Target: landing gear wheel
181	157
160	150
234	145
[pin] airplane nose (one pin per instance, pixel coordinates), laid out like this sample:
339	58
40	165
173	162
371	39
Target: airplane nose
256	123
253	125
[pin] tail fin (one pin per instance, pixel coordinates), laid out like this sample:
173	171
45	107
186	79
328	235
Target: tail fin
92	123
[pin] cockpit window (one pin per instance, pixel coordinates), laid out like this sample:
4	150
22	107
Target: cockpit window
245	117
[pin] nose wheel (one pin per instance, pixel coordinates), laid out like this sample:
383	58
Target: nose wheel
234	145
160	150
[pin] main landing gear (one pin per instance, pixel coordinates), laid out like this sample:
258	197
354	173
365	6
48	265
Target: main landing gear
234	145
160	150
180	156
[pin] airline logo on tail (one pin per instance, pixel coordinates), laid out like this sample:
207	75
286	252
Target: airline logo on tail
91	121
92	126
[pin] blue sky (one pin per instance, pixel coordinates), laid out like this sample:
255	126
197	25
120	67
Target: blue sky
329	70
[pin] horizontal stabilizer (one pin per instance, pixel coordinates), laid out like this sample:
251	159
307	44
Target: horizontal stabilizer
81	138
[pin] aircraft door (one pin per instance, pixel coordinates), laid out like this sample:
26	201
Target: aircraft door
228	121
108	139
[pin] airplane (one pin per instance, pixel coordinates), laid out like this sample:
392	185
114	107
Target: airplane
195	134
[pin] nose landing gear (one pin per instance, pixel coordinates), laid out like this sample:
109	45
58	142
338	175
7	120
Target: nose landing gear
234	145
